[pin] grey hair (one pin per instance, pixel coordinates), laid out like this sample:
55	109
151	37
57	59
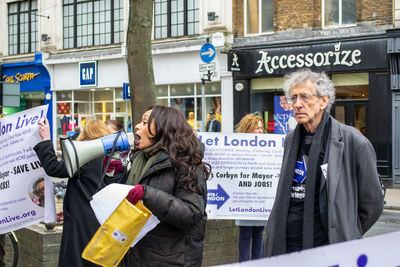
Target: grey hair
323	85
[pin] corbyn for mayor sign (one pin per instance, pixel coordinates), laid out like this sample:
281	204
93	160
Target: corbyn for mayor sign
245	173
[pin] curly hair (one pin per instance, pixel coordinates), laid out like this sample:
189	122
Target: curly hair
176	137
249	122
93	130
323	85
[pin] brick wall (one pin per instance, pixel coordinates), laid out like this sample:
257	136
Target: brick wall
221	242
237	17
295	14
379	11
39	247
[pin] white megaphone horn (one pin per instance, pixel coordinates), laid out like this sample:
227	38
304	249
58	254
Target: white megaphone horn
77	153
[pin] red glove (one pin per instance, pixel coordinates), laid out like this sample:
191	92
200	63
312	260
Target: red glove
115	165
135	194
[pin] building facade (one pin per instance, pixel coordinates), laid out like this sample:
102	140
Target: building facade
353	41
83	48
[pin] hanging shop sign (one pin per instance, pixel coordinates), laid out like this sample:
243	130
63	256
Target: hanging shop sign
125	91
336	56
88	73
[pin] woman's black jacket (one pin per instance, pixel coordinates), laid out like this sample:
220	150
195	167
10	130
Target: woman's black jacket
178	239
80	223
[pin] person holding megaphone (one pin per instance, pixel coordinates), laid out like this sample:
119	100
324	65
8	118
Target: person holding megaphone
80	222
170	177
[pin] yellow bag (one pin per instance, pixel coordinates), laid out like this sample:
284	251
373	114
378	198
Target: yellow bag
113	239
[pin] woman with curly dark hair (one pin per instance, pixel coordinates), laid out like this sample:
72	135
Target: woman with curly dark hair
170	177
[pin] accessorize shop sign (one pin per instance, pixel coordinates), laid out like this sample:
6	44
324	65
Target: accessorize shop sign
337	56
245	173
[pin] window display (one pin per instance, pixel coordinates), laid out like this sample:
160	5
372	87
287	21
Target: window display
187	99
76	107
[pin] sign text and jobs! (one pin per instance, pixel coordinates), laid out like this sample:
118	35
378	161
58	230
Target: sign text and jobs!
245	173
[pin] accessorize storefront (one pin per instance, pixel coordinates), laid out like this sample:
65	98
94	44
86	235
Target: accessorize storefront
34	80
359	68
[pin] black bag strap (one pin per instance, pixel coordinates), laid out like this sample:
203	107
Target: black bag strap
109	160
83	189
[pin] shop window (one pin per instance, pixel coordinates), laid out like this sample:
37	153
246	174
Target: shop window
213	112
340	114
209	88
103	95
174	18
161	90
92	22
119	93
351	86
82	108
339	12
81	95
163	102
103	117
182	89
184	105
64	95
75	108
103	107
267	98
63	108
120	106
187	99
22	27
259	16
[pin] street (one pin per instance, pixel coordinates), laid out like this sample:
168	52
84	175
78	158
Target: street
387	223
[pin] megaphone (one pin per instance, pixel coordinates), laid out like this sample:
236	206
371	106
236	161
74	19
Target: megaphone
77	153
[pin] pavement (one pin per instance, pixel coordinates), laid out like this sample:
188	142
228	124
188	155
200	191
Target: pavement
392	199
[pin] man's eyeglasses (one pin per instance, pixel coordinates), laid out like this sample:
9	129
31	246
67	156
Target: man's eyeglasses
304	97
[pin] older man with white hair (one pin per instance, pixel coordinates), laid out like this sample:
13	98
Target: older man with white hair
329	189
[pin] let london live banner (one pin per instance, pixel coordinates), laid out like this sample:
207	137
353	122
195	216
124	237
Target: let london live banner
21	176
245	173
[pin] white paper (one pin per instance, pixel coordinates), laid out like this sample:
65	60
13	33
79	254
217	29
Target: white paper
108	199
324	168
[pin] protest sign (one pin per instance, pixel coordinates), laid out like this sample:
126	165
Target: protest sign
379	250
26	192
245	172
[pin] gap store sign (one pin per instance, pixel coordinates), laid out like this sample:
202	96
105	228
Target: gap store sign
88	73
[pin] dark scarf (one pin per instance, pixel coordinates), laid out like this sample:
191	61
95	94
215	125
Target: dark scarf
284	194
142	162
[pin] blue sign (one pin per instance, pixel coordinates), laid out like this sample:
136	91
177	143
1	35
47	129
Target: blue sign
207	53
31	76
125	91
283	115
217	196
88	73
